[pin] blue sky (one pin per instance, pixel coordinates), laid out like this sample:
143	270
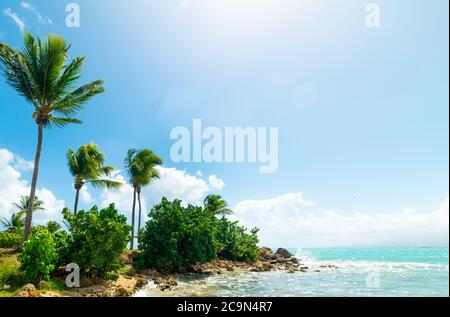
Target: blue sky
362	112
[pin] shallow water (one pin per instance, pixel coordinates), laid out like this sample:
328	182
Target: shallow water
360	272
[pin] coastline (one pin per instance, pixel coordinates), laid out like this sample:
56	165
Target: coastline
130	281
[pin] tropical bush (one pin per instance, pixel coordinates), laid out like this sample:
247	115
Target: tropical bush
97	239
10	239
38	258
234	243
176	237
61	244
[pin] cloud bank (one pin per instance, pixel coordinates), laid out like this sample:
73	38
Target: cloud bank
288	221
13	186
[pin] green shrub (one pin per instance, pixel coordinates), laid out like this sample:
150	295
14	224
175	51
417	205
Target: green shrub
61	244
234	243
10	239
96	240
176	237
38	258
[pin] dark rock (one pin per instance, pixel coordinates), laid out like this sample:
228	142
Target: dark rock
265	253
284	253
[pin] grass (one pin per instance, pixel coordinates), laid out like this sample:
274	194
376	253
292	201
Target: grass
10	275
9	272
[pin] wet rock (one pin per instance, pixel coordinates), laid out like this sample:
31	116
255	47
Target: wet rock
28	290
171	281
157	280
283	253
141	282
122	292
291	270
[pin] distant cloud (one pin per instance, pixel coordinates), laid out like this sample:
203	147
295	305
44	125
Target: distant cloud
41	19
13	186
16	18
288	221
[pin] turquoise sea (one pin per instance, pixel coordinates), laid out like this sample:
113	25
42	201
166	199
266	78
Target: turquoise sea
359	272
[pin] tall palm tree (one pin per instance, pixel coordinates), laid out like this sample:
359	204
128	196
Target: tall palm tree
16	220
87	166
42	74
141	169
216	205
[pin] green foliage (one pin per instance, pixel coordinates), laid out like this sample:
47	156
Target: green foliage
10	239
176	237
234	243
216	205
9	272
44	75
96	241
62	247
38	258
87	166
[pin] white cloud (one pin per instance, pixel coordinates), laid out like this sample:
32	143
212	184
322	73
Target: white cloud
288	221
40	18
85	196
173	184
16	18
216	183
13	186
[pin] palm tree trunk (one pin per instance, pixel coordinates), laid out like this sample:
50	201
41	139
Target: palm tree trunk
132	219
77	196
29	214
140	211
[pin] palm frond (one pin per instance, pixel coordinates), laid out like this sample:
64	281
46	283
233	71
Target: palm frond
62	122
105	183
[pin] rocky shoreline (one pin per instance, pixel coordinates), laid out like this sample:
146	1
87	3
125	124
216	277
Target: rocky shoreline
131	281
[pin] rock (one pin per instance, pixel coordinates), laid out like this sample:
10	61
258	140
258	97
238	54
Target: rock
164	287
122	292
291	270
6	287
317	271
294	260
28	290
171	281
284	253
157	280
304	268
265	253
140	282
43	285
261	267
230	268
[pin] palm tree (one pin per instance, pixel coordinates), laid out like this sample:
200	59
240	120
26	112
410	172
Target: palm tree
86	166
216	205
16	220
22	205
53	227
40	74
141	170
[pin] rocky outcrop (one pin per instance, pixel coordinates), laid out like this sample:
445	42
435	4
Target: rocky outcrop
28	290
283	253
